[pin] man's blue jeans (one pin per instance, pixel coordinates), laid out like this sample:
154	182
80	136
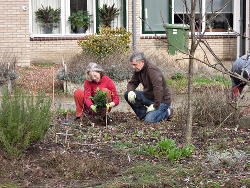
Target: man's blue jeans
140	108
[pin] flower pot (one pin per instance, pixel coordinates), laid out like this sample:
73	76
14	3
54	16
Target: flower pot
81	30
47	30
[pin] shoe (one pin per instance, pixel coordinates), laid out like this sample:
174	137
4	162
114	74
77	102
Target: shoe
171	113
77	118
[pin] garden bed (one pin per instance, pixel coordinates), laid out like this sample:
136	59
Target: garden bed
80	154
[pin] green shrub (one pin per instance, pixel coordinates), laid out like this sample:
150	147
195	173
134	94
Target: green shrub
107	42
24	120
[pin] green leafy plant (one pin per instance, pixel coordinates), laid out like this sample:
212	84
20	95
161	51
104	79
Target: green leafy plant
48	17
177	76
24	120
167	148
100	99
108	14
107	42
79	19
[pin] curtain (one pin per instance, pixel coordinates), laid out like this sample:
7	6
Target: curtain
156	12
215	5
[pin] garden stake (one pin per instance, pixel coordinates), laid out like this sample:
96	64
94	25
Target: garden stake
106	119
53	90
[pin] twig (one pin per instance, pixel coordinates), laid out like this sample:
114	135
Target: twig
223	122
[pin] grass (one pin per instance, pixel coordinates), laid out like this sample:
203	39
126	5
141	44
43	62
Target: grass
148	174
42	64
180	82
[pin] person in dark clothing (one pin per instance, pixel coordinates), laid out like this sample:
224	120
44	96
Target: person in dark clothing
242	67
153	103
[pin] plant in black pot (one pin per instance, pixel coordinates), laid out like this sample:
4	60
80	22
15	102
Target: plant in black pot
80	21
107	14
48	17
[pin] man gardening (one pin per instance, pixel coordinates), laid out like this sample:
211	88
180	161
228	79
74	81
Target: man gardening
153	103
242	67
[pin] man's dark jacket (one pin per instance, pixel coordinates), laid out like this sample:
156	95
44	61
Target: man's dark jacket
155	87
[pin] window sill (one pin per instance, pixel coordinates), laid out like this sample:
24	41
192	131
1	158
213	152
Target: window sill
53	37
206	35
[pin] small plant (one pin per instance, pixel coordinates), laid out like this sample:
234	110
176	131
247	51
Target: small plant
167	148
80	21
48	17
100	99
108	14
177	76
24	120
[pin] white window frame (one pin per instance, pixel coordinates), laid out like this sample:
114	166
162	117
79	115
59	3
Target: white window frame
64	22
235	16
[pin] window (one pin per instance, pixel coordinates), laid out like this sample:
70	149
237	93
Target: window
120	20
154	14
42	21
212	15
64	11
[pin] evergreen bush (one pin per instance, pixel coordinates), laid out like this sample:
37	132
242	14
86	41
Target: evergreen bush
24	120
108	41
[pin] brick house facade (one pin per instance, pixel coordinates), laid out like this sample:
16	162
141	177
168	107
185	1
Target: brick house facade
16	36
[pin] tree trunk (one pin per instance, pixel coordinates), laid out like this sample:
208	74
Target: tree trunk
190	75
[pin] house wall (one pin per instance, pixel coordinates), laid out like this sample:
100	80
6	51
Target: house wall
14	30
14	37
53	50
225	47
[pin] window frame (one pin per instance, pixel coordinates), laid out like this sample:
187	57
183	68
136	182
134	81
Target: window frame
143	18
63	23
95	27
204	20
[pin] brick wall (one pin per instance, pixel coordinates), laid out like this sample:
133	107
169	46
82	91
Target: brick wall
53	50
14	30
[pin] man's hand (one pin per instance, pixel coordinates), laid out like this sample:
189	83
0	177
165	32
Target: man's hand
151	108
110	105
131	97
93	108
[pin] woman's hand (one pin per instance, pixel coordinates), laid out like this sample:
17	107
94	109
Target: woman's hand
93	108
110	105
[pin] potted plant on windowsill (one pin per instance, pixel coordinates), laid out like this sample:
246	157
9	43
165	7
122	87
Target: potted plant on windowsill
48	17
107	14
80	21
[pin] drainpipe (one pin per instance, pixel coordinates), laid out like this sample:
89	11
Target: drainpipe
247	26
134	25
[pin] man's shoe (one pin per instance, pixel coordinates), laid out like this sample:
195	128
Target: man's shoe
77	118
171	113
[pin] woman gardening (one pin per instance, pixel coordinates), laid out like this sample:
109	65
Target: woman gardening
96	82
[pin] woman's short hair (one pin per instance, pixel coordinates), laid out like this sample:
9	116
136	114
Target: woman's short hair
93	67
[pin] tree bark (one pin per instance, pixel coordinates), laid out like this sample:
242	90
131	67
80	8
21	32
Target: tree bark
189	125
